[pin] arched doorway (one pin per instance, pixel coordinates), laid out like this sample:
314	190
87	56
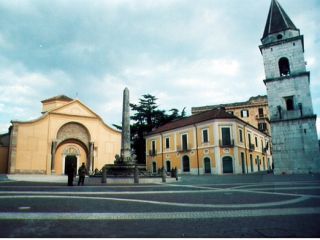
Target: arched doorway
207	165
185	164
70	162
227	165
70	151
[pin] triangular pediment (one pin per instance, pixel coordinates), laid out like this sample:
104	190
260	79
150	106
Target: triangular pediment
75	108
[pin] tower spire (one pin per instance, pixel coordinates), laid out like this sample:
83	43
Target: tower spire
277	21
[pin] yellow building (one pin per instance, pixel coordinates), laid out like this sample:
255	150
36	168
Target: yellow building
254	111
211	142
68	132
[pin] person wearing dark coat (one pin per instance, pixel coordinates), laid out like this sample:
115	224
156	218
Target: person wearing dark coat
70	172
82	173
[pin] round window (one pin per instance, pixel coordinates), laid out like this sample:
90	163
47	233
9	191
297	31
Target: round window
279	36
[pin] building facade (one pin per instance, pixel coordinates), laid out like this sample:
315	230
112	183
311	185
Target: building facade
68	132
211	142
255	111
293	122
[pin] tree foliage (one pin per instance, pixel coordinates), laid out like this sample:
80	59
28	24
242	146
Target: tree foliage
147	116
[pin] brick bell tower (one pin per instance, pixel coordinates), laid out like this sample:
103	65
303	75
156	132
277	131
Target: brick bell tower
293	123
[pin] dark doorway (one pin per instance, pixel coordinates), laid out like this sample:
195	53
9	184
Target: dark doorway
70	162
186	164
207	165
168	166
227	165
154	167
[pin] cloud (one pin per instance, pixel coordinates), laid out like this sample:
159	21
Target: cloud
186	53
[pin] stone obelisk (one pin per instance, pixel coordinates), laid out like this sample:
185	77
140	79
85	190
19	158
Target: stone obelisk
125	136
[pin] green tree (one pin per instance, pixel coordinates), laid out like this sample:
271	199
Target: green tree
146	117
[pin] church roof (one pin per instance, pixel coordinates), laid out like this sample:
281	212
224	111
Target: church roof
59	97
277	20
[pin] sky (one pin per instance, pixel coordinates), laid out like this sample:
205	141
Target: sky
186	53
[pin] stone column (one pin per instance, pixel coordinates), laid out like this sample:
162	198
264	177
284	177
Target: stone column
125	135
91	149
53	156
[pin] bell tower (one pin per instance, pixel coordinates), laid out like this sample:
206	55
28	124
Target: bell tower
293	123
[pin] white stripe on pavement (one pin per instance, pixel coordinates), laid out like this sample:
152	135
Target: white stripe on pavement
159	215
250	205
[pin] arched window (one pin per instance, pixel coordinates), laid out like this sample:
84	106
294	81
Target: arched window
186	164
284	66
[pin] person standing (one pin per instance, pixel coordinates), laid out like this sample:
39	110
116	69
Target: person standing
70	172
82	173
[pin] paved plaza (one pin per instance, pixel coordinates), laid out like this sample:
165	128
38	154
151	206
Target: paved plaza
261	205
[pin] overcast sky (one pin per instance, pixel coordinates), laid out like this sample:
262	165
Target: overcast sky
187	53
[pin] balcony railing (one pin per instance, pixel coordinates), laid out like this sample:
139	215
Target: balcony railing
251	147
152	152
226	144
261	116
184	148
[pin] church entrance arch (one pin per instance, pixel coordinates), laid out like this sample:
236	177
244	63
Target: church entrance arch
70	152
73	146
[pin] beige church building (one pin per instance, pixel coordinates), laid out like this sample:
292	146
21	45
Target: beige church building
67	132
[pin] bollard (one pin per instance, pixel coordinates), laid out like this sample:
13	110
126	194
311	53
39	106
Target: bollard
104	175
136	174
164	175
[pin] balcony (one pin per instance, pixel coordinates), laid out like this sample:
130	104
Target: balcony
262	117
184	148
226	144
152	152
251	147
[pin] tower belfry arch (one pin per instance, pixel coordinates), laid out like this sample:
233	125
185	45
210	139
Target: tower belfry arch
293	122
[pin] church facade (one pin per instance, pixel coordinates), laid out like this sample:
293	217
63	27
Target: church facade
68	132
293	122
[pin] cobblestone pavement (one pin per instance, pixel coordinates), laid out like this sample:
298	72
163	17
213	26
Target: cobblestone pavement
197	206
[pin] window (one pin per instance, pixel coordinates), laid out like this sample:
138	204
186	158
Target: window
256	140
284	66
251	163
249	138
205	137
153	148
240	135
231	112
262	126
167	143
226	140
260	110
289	103
185	142
244	113
243	163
